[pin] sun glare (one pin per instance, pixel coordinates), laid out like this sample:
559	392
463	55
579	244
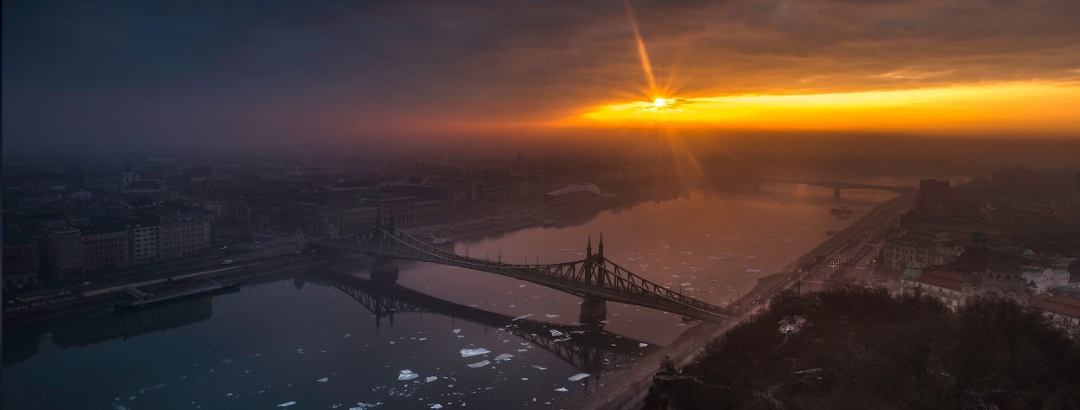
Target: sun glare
1043	106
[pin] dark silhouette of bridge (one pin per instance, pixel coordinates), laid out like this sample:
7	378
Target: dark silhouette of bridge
835	185
587	347
596	279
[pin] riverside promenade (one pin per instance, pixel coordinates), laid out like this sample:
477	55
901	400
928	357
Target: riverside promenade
627	390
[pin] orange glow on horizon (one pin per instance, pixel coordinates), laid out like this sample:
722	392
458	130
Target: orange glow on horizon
1035	106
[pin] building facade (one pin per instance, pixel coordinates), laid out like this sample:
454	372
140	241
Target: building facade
21	260
143	236
184	234
104	248
64	255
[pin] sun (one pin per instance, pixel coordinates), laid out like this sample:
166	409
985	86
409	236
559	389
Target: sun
659	102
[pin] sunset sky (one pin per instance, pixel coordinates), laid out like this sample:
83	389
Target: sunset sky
163	74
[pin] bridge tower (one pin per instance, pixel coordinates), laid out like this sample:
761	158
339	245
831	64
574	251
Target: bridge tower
593	310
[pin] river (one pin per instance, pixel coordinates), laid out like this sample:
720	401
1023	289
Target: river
445	338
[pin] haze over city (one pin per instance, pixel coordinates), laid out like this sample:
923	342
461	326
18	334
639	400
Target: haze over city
618	204
247	76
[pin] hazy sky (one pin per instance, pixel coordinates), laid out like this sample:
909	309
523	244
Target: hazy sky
100	75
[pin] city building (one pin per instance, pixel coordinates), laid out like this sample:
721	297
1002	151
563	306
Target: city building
330	217
184	234
143	236
925	249
64	255
104	247
21	260
941	284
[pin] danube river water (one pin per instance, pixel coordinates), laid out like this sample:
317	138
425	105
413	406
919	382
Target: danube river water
444	338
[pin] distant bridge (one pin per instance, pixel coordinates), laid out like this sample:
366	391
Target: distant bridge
595	278
835	185
589	348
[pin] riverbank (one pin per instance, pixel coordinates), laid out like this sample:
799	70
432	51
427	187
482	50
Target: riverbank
627	390
101	298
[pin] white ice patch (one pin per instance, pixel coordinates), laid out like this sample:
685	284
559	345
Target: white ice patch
577	377
562	389
551	316
436	406
323	380
431	379
521	286
226	361
287	404
347	336
504	356
480	364
522	316
301	351
407	375
422	339
555	333
456	331
474	352
642	344
539	368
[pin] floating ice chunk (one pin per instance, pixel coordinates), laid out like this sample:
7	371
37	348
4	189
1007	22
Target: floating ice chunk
522	350
642	345
551	316
430	379
422	339
228	395
522	316
685	284
474	352
323	380
436	406
119	407
347	336
521	286
480	364
555	333
226	361
577	377
563	389
686	253
407	375
363	406
540	368
524	379
301	351
504	356
287	404
753	270
456	331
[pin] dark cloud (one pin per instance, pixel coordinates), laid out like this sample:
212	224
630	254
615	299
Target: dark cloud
132	72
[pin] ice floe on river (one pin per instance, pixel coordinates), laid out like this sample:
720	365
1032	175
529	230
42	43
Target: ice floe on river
577	377
407	375
474	352
480	364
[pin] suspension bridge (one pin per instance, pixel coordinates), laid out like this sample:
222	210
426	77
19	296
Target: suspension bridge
596	278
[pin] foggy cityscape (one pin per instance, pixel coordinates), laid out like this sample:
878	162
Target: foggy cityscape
602	205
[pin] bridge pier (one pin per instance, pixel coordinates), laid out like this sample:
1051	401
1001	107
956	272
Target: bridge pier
384	271
592	311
